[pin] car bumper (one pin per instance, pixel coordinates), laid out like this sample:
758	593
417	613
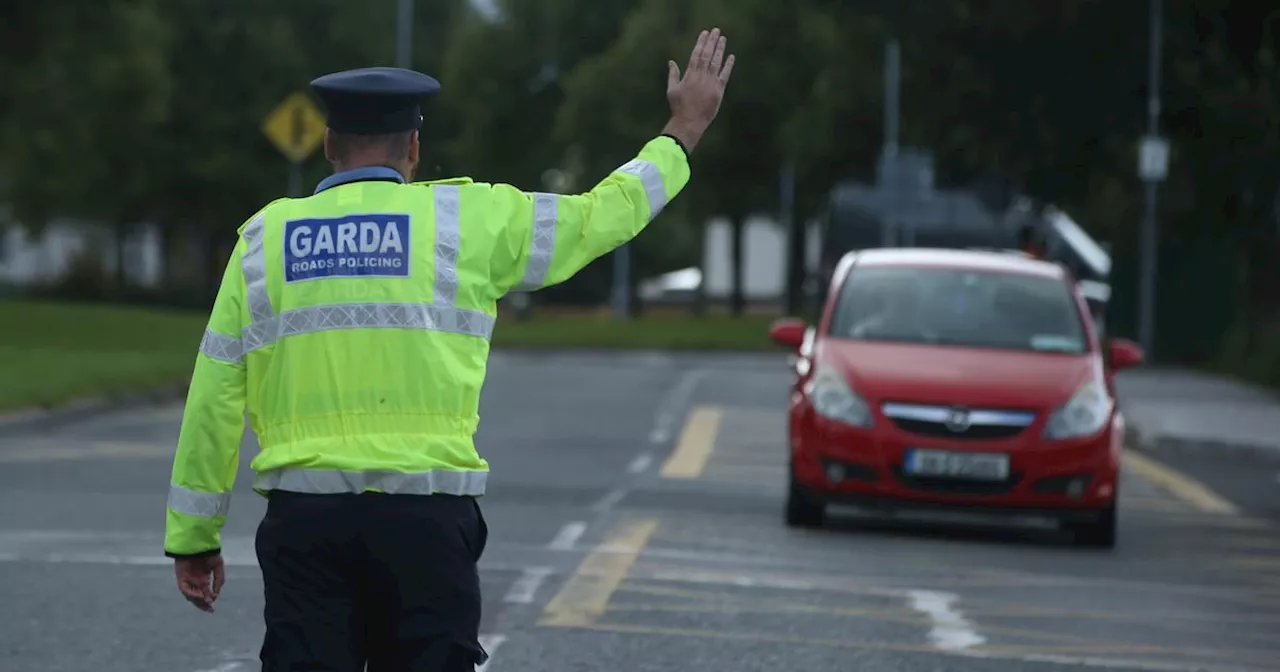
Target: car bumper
838	464
899	503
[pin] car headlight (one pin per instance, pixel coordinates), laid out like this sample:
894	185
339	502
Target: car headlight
1084	414
833	399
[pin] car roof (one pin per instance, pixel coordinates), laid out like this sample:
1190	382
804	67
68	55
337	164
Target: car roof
977	260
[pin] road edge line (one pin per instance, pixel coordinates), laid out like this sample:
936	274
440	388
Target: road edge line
1178	484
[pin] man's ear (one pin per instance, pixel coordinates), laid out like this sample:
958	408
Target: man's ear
414	148
328	147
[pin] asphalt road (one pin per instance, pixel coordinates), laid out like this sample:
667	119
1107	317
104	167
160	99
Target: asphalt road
597	561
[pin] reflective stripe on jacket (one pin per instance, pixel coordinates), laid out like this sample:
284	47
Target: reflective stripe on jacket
354	327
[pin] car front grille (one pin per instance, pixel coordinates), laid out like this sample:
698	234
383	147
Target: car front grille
938	429
958	422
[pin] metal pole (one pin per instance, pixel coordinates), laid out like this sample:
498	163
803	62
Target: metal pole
888	196
621	282
892	85
295	179
404	32
795	239
1149	242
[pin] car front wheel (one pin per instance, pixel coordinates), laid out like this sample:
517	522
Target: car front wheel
803	511
1100	533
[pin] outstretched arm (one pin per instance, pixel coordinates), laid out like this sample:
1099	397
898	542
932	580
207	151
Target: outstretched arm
552	237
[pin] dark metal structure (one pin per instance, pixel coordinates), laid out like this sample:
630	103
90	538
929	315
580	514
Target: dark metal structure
903	209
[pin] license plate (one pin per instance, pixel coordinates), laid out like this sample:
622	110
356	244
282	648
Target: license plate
977	466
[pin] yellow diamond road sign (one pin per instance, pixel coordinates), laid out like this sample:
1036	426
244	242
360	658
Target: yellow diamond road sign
296	127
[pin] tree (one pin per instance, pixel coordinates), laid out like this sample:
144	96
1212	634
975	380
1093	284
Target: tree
237	60
799	95
85	98
502	104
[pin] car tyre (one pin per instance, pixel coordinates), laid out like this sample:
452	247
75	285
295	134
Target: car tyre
1100	533
803	511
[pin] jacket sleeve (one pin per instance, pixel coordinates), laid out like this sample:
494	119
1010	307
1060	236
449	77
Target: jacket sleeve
204	468
551	237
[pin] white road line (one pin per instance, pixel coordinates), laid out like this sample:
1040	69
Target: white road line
490	643
673	405
564	542
234	561
1125	665
693	576
951	630
567	536
640	463
227	667
610	500
525	587
75	449
109	559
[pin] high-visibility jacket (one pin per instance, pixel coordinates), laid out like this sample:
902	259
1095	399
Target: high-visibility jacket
354	326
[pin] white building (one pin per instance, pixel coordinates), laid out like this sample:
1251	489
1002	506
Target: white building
48	254
764	256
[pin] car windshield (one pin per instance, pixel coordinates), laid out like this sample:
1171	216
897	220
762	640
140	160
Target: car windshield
959	307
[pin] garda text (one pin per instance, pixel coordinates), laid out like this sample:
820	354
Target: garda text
375	245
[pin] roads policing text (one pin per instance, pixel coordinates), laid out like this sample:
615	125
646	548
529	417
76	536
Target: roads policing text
355	245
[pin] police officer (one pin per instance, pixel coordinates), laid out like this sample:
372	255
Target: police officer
353	325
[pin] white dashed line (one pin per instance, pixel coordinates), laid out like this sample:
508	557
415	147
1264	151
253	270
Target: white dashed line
526	587
609	501
673	405
640	463
951	631
567	536
228	667
490	644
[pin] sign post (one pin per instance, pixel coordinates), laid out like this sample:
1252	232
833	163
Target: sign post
296	127
1153	167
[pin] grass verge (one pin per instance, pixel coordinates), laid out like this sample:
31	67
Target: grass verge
51	353
656	332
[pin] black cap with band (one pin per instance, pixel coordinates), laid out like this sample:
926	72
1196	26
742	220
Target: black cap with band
374	101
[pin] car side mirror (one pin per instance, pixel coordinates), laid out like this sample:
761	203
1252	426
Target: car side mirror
788	332
1124	354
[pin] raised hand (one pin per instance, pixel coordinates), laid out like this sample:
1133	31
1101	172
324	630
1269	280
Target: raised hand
695	97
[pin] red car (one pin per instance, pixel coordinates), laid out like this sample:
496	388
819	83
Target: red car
957	379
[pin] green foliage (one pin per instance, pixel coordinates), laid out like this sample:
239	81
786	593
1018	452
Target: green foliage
147	110
90	84
142	108
1251	352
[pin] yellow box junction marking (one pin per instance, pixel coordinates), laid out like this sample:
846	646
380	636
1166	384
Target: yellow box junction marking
696	442
584	597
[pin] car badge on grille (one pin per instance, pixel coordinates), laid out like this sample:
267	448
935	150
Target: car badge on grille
958	420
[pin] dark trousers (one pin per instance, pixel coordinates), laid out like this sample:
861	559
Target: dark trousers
384	580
